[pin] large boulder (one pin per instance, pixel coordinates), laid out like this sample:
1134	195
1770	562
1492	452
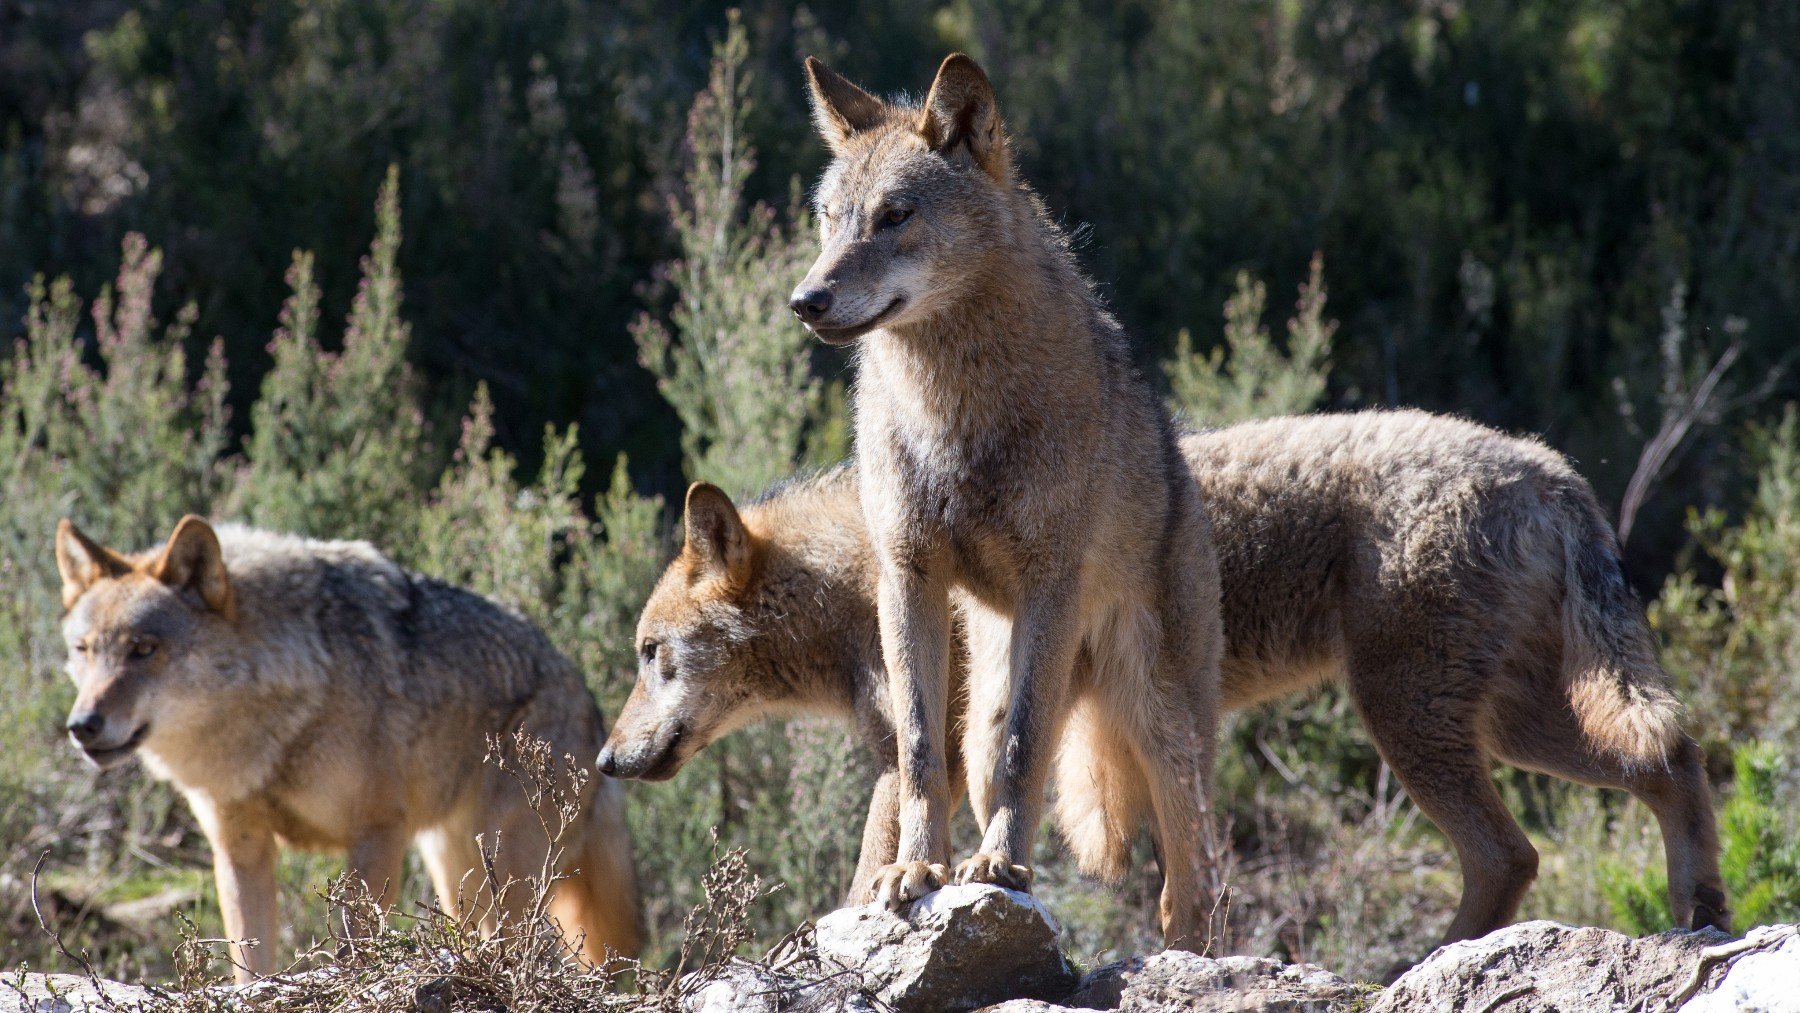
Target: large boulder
961	948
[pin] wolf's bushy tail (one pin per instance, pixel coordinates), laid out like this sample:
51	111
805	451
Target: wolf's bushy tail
1619	693
1101	794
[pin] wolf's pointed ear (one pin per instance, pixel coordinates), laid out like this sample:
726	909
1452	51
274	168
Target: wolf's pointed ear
961	118
716	537
82	562
193	559
839	108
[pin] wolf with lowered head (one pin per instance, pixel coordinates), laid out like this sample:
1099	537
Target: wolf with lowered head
1012	461
316	694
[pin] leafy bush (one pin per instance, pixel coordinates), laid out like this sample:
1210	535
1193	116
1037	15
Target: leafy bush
336	443
1734	646
1260	380
736	366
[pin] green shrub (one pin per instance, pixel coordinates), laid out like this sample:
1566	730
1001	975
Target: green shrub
732	360
1732	646
1249	376
337	439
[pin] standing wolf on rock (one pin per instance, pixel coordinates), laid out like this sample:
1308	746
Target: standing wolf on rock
1462	585
1012	455
317	694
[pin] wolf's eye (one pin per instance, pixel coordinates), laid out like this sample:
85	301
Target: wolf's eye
648	651
81	647
895	216
142	649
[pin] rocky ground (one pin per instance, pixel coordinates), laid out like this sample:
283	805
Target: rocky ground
982	948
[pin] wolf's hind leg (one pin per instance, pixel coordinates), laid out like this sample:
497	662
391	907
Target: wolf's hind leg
596	904
1169	709
1428	732
988	637
1544	736
453	859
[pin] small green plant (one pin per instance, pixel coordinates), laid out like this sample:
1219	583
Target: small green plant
1250	377
1759	856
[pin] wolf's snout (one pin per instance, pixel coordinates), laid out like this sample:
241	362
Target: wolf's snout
810	305
608	764
86	726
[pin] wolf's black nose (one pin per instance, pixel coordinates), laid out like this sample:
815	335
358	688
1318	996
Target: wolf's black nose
87	726
606	763
810	306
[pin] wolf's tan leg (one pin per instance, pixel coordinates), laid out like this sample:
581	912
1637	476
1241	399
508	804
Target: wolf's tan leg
987	636
244	868
1428	732
915	640
453	860
1177	760
377	860
881	837
597	904
1044	641
1546	738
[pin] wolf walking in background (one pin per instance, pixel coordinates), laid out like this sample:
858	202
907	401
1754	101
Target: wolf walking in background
316	694
1462	584
1011	455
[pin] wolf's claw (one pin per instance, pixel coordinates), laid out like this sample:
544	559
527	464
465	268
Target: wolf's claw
987	867
905	882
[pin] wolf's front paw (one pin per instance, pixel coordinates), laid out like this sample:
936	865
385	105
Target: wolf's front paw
987	867
905	882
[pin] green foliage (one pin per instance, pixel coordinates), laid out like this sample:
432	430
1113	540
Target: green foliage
1407	142
1732	647
1259	380
1759	855
337	439
735	367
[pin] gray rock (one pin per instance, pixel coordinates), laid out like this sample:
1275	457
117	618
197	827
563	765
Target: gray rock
1546	966
23	992
1761	974
961	948
748	988
1174	980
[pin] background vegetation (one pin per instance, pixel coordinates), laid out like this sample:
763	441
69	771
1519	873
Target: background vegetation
1575	219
